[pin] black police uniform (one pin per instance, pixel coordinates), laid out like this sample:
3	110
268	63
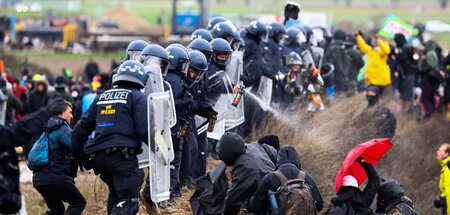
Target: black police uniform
118	118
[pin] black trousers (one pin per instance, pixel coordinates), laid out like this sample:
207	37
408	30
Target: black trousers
55	194
123	178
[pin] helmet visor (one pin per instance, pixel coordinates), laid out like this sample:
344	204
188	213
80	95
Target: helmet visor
195	74
134	55
156	61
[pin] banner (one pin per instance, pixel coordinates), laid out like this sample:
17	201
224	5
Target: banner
394	25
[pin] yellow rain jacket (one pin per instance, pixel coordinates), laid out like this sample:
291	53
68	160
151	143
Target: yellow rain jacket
377	70
444	182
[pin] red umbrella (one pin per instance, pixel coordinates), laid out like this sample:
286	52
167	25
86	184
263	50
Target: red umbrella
371	151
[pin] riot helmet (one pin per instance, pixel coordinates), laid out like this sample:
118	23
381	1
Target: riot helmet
203	46
131	71
134	50
201	33
276	31
197	66
178	58
291	37
155	55
258	29
225	31
221	51
212	22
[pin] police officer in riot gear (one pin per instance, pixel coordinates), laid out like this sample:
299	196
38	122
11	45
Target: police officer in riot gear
195	152
203	46
179	62
214	88
291	42
272	48
203	34
116	117
133	52
225	31
254	68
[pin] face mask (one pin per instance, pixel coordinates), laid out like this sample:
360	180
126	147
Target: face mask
372	100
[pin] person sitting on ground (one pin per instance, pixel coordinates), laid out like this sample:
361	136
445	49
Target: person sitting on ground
288	163
350	192
391	199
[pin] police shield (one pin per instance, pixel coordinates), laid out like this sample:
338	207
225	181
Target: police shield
155	84
235	70
265	90
317	55
220	96
3	101
160	149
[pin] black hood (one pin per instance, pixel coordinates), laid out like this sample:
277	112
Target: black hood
400	40
54	123
340	35
288	154
271	140
230	147
390	191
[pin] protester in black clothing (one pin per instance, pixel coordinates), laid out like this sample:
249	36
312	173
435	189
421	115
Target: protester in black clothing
288	163
248	170
359	200
391	199
36	98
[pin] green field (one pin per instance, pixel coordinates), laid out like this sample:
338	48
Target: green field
362	12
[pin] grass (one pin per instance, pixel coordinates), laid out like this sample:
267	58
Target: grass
68	56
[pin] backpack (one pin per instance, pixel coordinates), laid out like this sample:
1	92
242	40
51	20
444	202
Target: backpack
38	156
295	195
341	209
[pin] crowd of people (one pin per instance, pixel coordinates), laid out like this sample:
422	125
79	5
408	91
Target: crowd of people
305	66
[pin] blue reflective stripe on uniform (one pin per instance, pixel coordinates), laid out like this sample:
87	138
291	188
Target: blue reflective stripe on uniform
106	124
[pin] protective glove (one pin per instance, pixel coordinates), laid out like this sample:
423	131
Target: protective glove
212	114
439	203
187	98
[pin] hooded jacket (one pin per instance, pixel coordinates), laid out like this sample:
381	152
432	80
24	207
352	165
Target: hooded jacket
444	182
288	162
59	169
336	55
36	99
430	65
248	170
360	200
391	194
377	70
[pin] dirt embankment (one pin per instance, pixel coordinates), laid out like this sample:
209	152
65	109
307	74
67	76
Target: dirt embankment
324	139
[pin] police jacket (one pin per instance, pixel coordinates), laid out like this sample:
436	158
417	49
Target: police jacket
360	200
272	56
248	170
119	118
254	65
289	164
179	90
198	105
59	169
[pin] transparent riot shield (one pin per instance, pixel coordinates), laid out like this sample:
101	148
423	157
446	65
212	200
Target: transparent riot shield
220	96
3	101
308	58
156	84
235	67
235	70
160	149
265	90
317	54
